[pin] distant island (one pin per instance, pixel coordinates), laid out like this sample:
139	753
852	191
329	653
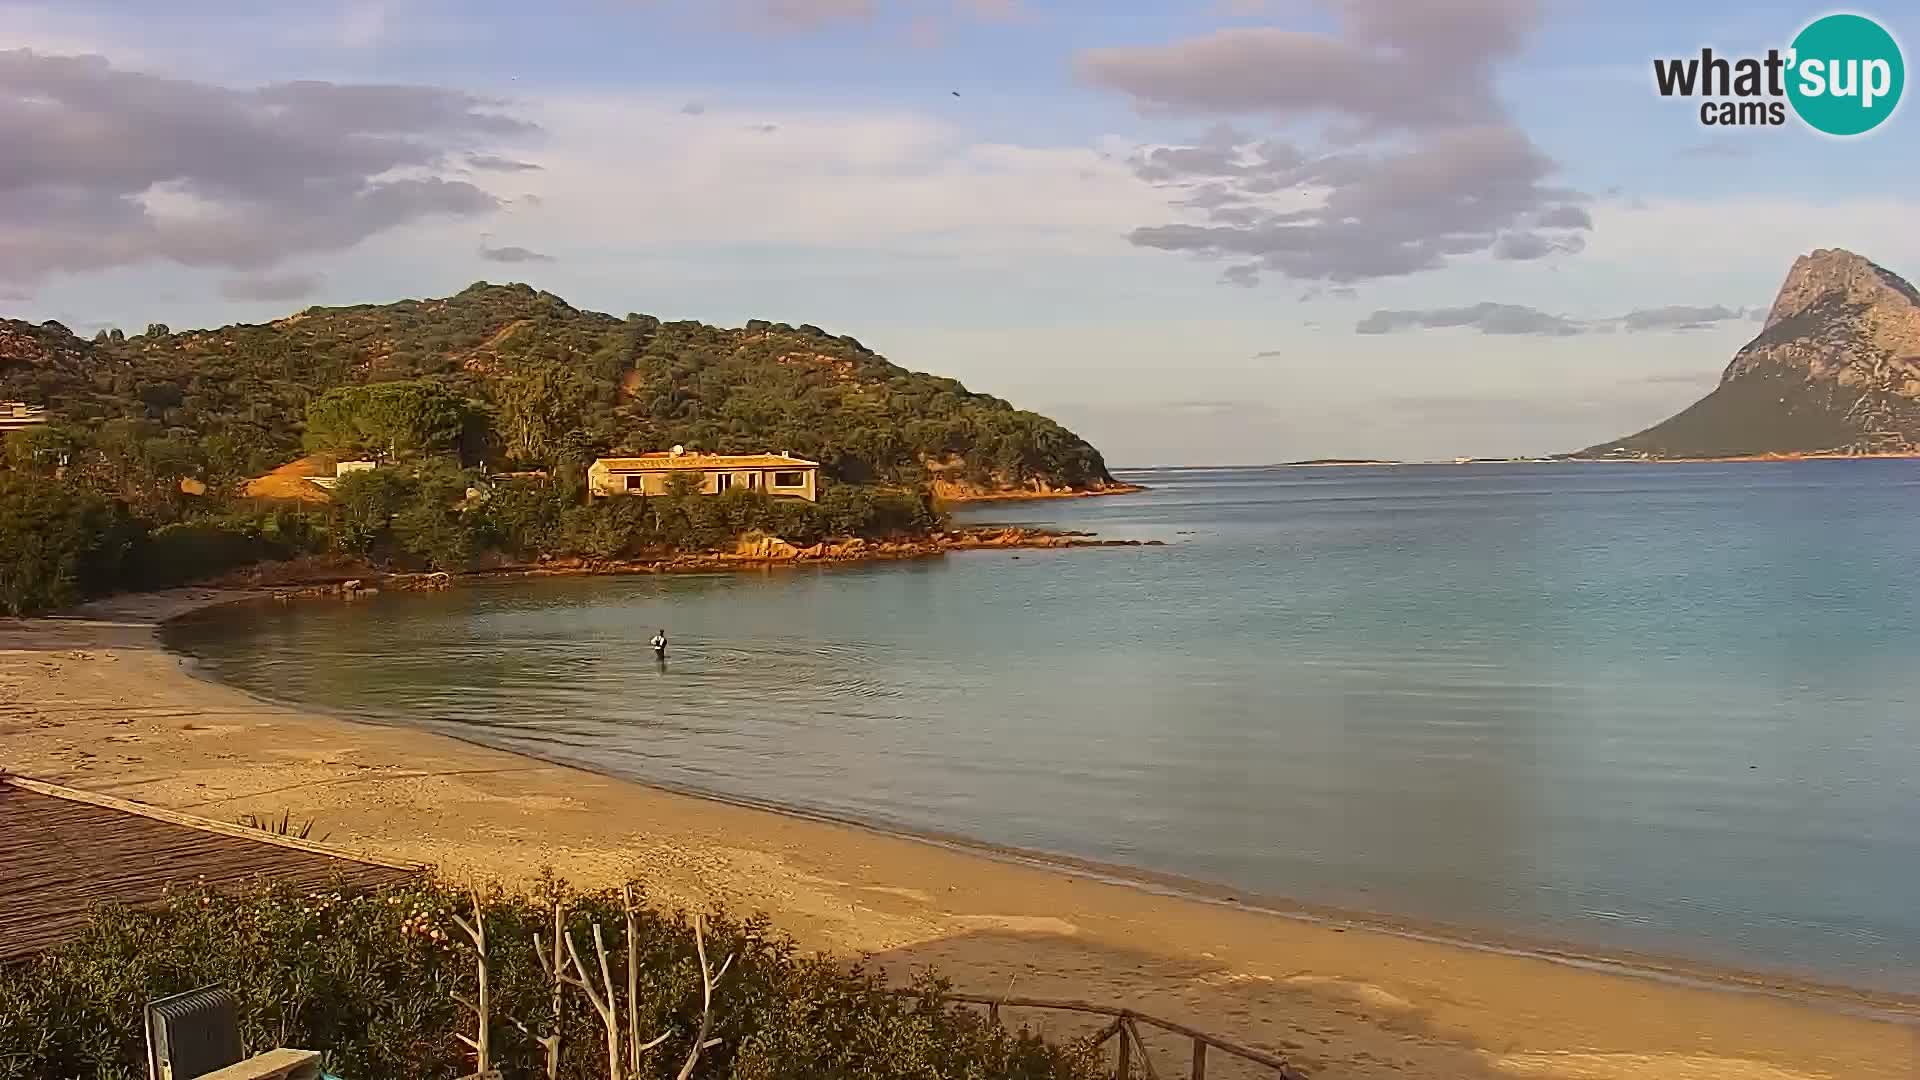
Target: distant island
1336	461
148	459
1834	372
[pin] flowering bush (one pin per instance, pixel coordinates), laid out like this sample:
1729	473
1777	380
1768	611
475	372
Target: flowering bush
370	978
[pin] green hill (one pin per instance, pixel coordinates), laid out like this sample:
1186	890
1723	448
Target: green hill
561	385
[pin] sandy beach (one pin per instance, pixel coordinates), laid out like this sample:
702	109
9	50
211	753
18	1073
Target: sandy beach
94	702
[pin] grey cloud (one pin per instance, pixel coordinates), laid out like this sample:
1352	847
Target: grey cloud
1419	161
1564	217
512	254
496	163
1244	276
692	108
1396	64
1515	319
1385	213
129	167
1526	246
291	286
1488	318
1679	317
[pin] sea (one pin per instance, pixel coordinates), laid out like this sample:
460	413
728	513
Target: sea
1660	710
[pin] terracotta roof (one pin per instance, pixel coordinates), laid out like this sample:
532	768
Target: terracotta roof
646	462
62	850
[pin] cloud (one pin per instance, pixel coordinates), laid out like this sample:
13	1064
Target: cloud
692	108
511	254
878	182
1407	64
1488	318
129	168
1679	317
496	163
1515	319
1418	165
1357	215
291	286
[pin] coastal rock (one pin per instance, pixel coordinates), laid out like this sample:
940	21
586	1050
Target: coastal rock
1834	370
767	547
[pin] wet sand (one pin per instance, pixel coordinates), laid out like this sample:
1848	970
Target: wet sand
94	702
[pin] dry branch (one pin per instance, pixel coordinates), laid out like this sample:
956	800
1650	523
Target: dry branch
477	932
708	980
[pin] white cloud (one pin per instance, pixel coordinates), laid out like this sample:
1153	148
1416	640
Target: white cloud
843	180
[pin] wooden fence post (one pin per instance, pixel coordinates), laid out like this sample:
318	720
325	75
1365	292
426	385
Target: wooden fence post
1199	1060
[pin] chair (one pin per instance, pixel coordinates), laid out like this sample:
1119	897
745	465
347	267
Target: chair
196	1036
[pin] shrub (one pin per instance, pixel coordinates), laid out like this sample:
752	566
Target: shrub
58	545
369	978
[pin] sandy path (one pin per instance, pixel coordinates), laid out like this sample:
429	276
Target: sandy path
95	703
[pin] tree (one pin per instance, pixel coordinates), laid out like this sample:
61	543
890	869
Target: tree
393	419
58	545
364	504
536	409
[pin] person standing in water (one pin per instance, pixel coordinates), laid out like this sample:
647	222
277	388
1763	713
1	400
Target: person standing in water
660	642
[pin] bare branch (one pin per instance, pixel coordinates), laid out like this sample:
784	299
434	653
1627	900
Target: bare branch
708	980
607	1007
553	1047
477	933
634	1049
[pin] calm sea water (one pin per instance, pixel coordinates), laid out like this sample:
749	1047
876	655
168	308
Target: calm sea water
1671	709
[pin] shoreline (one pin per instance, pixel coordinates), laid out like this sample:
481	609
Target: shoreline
1030	495
1475	1007
1804	989
302	579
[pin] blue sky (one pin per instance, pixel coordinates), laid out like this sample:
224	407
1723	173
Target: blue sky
1163	223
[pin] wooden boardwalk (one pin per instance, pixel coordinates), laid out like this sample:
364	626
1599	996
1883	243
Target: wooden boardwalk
63	850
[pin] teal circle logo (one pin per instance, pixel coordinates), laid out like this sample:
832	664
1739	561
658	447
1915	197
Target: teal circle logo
1846	75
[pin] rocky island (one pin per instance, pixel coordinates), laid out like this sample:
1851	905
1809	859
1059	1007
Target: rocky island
1834	372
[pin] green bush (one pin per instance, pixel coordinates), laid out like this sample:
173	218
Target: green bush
364	505
195	550
59	545
369	978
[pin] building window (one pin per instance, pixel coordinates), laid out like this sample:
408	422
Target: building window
636	483
789	479
722	481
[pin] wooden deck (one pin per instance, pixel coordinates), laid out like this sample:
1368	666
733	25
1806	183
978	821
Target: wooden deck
63	850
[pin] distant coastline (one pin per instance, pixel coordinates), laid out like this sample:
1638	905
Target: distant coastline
1312	463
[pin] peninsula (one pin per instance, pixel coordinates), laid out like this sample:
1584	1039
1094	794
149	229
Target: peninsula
455	434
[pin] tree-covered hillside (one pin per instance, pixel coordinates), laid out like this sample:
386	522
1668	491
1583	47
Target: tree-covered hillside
561	385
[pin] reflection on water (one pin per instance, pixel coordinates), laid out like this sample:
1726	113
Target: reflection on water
1659	708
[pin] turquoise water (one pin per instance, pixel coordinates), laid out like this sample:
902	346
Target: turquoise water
1666	709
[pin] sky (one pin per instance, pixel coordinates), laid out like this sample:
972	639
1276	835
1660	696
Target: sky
1204	232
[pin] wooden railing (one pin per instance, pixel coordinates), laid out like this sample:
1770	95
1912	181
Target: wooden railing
1124	1027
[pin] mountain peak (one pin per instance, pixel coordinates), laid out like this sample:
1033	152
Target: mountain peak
1837	275
1835	370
